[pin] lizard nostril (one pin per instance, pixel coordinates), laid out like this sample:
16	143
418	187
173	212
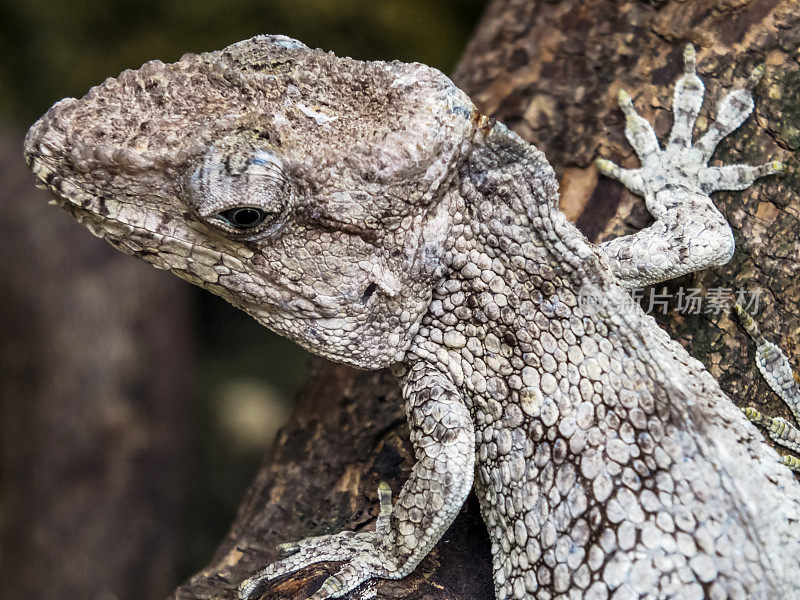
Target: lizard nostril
368	293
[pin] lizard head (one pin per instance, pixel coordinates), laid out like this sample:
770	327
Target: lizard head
314	192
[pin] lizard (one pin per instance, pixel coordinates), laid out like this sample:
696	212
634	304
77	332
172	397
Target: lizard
369	211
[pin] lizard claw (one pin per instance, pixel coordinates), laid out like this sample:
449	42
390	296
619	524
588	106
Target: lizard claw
367	555
681	162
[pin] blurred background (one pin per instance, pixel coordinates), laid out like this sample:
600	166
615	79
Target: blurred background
135	408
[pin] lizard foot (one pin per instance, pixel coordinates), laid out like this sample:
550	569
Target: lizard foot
681	163
775	367
366	555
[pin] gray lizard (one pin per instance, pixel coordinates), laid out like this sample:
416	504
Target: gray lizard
369	212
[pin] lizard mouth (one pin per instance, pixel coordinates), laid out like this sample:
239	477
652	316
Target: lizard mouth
91	211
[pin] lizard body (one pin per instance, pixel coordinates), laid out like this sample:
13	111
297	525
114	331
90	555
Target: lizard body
369	212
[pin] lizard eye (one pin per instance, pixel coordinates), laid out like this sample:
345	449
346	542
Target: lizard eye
244	193
243	217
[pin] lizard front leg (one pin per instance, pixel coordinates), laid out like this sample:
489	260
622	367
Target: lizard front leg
689	233
443	437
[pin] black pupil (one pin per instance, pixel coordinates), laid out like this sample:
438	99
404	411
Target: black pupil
243	218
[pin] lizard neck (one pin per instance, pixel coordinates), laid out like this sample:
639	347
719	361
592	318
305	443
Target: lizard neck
507	179
516	267
511	217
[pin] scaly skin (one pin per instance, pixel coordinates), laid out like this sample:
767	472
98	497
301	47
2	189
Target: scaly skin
777	371
400	228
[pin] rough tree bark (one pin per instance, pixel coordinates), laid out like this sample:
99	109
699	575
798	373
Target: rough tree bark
94	396
551	71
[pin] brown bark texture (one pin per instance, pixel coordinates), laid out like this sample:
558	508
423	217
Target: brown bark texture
551	71
94	389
